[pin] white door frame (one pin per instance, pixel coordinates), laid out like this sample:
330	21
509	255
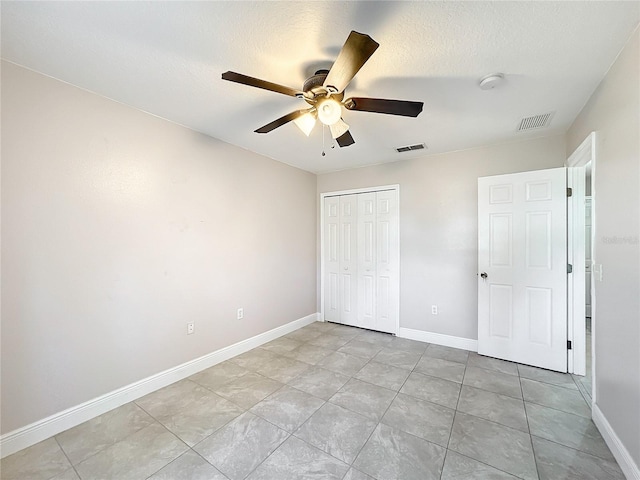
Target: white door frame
395	187
576	164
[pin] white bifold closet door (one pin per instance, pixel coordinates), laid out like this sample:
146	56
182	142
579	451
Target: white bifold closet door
361	260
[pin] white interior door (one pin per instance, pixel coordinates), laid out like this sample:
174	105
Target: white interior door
367	267
331	265
348	260
522	260
388	261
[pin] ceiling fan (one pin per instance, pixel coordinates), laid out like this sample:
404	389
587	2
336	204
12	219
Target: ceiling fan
324	92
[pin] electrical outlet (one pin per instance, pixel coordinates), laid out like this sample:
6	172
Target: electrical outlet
240	313
434	309
190	328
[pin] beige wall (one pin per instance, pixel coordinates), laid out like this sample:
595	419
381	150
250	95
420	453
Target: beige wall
118	229
613	112
439	225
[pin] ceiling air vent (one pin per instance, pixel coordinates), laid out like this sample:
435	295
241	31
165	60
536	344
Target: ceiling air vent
418	146
535	122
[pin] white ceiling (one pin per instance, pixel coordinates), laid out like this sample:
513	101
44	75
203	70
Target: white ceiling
166	58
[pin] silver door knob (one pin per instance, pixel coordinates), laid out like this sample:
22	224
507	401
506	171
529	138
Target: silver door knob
484	275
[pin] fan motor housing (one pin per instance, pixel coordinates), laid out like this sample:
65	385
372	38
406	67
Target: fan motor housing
315	86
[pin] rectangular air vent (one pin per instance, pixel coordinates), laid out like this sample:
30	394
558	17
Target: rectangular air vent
418	146
535	122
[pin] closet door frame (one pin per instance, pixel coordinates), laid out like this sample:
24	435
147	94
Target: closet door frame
396	188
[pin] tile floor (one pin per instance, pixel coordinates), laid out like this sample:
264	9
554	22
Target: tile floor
334	402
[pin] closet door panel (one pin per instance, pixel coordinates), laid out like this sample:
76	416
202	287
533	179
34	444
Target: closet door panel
332	259
367	260
348	260
387	254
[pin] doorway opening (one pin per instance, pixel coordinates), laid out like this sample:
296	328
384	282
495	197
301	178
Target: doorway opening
581	320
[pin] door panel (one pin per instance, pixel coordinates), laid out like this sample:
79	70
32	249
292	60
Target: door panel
348	259
388	261
366	259
522	303
331	259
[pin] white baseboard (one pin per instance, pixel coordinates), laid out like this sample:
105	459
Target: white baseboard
439	339
24	437
622	455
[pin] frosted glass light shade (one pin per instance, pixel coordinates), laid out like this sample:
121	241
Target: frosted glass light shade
329	111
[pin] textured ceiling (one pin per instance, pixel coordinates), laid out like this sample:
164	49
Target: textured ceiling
166	58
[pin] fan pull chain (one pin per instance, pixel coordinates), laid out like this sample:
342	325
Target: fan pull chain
323	128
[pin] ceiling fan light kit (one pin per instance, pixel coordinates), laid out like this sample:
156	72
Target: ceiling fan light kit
324	92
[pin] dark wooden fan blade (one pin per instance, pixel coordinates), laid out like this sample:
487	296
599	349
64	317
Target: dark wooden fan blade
256	82
345	139
382	105
282	120
354	54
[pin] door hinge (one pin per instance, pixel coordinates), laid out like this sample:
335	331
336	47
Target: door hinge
569	345
569	191
569	268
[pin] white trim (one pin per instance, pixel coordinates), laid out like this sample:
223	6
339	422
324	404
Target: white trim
439	339
24	437
353	191
621	454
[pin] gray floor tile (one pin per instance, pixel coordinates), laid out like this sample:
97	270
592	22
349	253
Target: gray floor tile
447	353
337	431
397	358
420	418
361	349
189	466
567	429
560	398
547	376
308	353
38	462
495	364
408	345
320	326
218	375
287	408
189	410
68	475
345	331
493	381
282	369
319	382
239	447
556	462
297	460
378	338
281	345
88	438
433	389
491	406
303	334
248	390
459	467
394	454
253	359
354	474
361	397
132	458
501	447
437	367
383	375
343	363
326	340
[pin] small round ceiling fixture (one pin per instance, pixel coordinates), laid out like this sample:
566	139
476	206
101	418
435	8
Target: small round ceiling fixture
491	81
